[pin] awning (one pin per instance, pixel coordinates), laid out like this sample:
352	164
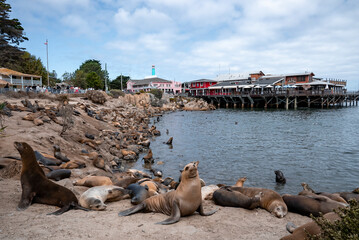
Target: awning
248	86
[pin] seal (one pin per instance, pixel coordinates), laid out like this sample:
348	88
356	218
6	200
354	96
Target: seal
207	192
349	196
240	182
58	174
36	188
59	155
94	198
124	181
299	233
279	177
183	201
228	198
46	161
138	193
93	181
271	200
73	164
314	204
169	142
148	158
307	191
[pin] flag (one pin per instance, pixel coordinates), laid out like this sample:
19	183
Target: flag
45	42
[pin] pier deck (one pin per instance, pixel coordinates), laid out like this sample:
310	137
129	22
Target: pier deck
283	99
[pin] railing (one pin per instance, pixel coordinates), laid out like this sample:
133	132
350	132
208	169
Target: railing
26	82
287	92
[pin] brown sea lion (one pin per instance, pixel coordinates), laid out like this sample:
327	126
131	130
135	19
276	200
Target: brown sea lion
301	232
138	193
59	155
349	196
36	188
93	181
240	182
73	164
333	196
314	204
183	201
226	197
149	157
124	181
271	200
94	198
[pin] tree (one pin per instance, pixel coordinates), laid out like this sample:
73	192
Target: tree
116	83
11	35
31	65
94	81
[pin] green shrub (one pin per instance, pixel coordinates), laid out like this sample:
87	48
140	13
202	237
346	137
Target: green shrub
345	228
157	92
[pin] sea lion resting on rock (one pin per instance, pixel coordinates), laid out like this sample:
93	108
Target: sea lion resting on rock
312	228
59	155
225	196
58	174
271	200
93	181
333	196
36	188
95	197
315	204
183	201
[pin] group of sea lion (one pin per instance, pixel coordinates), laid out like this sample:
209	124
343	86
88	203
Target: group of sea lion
184	199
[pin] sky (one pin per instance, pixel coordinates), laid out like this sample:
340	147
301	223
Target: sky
193	39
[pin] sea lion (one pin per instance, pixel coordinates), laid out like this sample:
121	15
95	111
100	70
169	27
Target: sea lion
138	193
148	158
94	198
59	155
240	182
169	142
73	164
312	228
183	201
156	172
58	174
333	196
46	161
36	188
124	181
271	200
99	162
279	177
315	204
306	187
228	198
93	181
349	196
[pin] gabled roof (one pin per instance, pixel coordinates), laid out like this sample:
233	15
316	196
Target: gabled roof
147	81
9	72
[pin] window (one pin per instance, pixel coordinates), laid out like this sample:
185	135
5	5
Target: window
197	84
301	79
201	84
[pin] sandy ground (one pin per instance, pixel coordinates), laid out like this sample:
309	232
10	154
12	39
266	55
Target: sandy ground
33	223
226	223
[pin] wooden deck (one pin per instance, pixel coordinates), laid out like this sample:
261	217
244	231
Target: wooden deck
283	99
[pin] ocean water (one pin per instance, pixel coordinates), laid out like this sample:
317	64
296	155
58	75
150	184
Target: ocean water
316	146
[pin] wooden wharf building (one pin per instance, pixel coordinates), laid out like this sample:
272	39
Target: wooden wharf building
275	91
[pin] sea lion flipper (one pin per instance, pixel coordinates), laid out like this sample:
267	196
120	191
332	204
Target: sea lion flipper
202	213
132	210
26	199
61	210
175	215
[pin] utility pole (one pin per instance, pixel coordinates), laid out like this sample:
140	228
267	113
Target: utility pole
47	57
121	83
106	87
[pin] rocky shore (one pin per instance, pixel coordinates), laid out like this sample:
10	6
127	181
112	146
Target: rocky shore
99	135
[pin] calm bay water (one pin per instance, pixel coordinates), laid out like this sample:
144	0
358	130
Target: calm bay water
317	146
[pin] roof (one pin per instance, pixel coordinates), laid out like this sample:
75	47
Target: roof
269	80
236	76
147	81
9	72
229	84
3	83
202	80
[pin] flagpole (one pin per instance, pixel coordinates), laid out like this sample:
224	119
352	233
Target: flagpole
47	56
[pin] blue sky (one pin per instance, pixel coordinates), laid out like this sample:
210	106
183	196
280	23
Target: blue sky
192	39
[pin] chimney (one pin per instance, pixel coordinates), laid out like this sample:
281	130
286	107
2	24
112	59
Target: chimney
153	70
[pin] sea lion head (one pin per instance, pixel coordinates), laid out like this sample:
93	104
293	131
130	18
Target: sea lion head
190	170
23	148
56	148
96	204
279	210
